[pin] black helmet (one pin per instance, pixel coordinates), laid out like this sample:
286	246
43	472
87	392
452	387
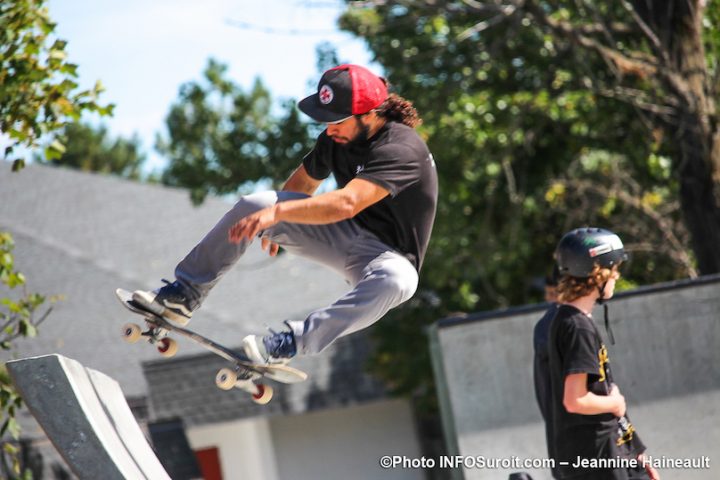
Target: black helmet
581	249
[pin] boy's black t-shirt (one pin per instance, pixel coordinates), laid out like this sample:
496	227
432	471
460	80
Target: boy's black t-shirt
575	346
397	159
541	369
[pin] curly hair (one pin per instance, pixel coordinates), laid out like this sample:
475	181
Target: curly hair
397	109
571	288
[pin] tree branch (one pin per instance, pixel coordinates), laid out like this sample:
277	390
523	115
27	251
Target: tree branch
639	99
504	12
647	31
623	64
672	246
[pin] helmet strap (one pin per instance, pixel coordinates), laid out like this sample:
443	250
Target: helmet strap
601	301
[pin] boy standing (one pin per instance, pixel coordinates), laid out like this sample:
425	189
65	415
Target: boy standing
589	434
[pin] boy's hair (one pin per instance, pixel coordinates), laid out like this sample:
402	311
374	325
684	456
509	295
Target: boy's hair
552	279
397	109
571	288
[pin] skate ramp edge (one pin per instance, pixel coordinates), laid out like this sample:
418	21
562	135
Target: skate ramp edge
84	414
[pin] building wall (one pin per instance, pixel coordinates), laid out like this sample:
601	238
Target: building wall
665	362
245	447
342	443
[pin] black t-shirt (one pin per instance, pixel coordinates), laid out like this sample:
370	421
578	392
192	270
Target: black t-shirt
575	346
541	369
397	159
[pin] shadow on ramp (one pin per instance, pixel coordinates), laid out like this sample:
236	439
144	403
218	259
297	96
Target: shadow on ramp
85	415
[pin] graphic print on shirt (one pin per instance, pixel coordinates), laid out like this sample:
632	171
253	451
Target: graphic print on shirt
626	430
603	360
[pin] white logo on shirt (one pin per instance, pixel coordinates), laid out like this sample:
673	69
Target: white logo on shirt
359	169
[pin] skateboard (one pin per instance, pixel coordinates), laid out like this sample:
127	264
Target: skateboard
244	374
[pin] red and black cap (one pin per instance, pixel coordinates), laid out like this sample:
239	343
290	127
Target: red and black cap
344	91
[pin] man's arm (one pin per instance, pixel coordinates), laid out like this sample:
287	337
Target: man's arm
300	181
333	206
321	209
577	398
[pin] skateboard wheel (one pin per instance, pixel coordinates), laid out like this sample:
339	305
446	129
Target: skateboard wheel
226	378
131	332
167	347
263	395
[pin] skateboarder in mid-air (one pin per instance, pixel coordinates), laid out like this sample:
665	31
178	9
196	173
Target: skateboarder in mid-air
374	229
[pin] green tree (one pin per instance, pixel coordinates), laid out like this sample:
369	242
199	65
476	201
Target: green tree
647	71
39	95
536	129
662	59
38	89
20	315
221	138
90	149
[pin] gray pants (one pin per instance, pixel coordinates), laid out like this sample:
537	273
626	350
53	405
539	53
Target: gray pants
380	277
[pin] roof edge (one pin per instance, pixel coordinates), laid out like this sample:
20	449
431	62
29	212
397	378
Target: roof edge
463	318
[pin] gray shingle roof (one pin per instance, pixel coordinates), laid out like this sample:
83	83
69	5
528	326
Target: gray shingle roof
83	235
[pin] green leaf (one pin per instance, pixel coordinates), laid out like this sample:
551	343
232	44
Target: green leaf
18	165
6	260
10	448
52	153
27	329
39	95
12	427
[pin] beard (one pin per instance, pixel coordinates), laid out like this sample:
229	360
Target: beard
361	137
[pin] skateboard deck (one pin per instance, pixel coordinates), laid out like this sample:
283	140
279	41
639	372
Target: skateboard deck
243	375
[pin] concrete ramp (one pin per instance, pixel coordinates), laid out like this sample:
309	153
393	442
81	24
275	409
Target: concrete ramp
85	415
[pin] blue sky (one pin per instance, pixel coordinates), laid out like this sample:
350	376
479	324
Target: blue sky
142	50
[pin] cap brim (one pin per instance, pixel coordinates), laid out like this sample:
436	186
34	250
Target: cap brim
312	107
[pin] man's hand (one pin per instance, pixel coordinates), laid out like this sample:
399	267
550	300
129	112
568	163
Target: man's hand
271	247
250	226
621	407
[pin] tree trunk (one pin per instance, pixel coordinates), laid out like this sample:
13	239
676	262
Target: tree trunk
698	152
698	197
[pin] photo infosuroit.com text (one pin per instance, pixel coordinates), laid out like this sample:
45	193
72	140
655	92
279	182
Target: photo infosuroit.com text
463	461
515	462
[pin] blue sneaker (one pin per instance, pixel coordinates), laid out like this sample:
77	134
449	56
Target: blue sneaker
278	347
170	302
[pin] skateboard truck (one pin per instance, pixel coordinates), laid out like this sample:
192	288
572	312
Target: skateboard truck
132	332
